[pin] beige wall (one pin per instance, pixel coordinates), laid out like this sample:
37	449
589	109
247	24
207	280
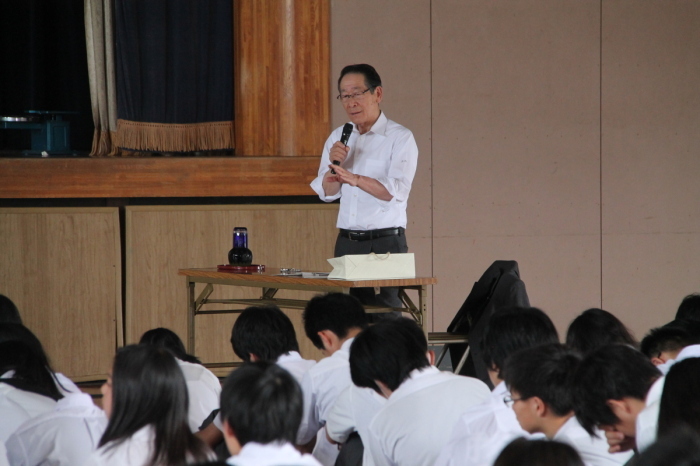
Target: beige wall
561	134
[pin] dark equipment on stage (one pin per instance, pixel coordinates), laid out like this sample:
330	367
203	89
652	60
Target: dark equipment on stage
50	132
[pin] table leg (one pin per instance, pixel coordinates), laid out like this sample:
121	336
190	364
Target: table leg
423	307
190	316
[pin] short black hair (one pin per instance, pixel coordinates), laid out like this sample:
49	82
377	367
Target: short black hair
689	308
522	452
666	338
337	312
679	402
165	338
262	403
8	311
264	331
546	372
372	79
611	372
511	329
595	328
388	351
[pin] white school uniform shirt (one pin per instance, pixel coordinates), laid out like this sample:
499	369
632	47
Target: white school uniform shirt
18	406
3	456
482	432
593	450
293	363
134	451
321	386
271	454
389	154
65	436
353	411
415	423
203	390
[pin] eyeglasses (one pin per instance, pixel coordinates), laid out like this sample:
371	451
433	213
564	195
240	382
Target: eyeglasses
509	400
348	97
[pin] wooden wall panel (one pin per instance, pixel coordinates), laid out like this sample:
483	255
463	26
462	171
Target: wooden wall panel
62	268
282	56
161	240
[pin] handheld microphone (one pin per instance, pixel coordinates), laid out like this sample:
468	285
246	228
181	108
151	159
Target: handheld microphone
344	138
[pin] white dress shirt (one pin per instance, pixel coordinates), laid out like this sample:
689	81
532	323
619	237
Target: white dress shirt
3	456
293	363
353	411
482	432
593	450
134	451
415	423
203	390
387	153
271	454
65	436
18	406
321	386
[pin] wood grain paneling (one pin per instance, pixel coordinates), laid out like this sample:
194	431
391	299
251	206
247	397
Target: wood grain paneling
282	59
162	240
157	177
62	268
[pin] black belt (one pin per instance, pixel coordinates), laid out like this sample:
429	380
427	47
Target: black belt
365	235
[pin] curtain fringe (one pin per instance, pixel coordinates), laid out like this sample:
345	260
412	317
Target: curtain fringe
103	144
169	137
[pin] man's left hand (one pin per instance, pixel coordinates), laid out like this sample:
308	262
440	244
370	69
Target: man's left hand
345	176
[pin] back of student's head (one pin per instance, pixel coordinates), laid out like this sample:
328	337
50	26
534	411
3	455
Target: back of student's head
522	452
680	401
262	403
512	329
265	332
388	351
545	371
666	339
8	311
689	308
337	312
166	338
611	372
31	371
148	388
595	328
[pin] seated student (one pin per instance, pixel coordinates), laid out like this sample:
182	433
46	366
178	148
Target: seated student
331	322
595	328
663	344
423	403
680	448
680	400
27	386
146	402
65	436
8	311
483	430
611	388
522	452
689	308
540	383
261	406
18	332
265	333
203	387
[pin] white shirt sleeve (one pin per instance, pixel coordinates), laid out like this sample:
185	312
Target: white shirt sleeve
310	422
317	183
341	422
402	169
376	450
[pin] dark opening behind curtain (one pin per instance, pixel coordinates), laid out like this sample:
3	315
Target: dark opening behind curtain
174	74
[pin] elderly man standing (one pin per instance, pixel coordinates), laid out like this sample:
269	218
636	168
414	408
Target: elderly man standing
371	173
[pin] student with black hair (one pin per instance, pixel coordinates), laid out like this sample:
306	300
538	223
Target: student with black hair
483	430
145	399
203	387
612	386
523	452
689	309
541	395
265	333
423	403
663	344
595	328
8	311
331	322
261	407
680	400
679	448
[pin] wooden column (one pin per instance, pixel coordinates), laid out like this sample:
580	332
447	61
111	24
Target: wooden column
282	64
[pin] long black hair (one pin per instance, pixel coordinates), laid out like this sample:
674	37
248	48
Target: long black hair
679	406
22	353
595	328
166	338
148	388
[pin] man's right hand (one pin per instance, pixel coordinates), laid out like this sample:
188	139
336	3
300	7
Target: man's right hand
617	441
338	152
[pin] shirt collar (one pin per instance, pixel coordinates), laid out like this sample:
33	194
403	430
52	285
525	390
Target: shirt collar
379	126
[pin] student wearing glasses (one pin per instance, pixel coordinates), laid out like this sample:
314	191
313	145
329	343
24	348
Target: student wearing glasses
372	178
